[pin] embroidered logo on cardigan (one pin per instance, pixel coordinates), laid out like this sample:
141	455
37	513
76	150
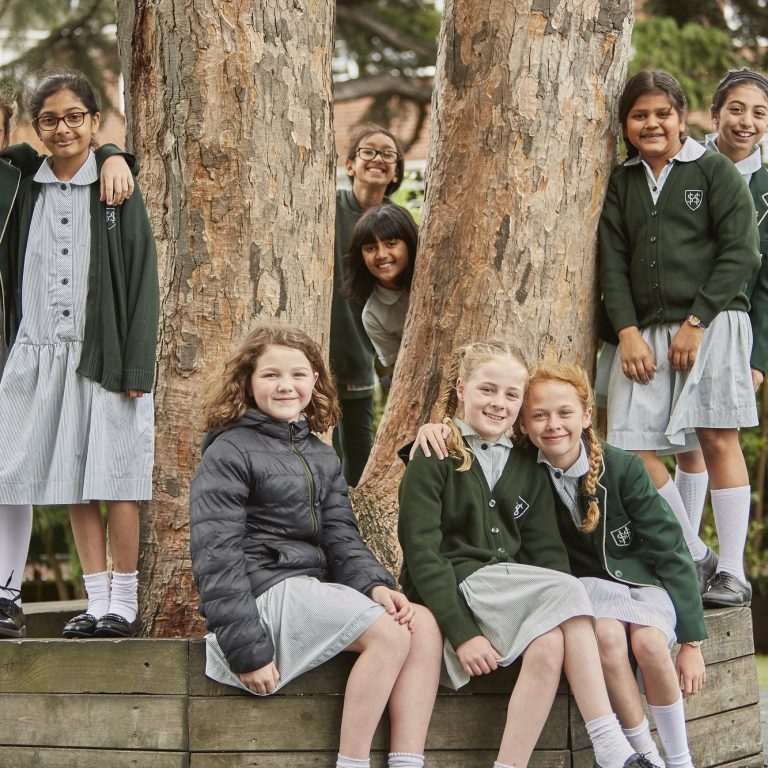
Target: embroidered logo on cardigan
111	218
694	198
521	507
622	536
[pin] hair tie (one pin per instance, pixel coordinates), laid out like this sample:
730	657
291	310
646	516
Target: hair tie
590	497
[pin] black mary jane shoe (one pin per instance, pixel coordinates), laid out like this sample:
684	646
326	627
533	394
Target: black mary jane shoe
82	625
12	623
114	625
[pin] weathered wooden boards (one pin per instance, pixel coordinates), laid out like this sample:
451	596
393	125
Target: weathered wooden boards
147	703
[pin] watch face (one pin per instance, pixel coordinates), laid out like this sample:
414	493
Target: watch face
693	320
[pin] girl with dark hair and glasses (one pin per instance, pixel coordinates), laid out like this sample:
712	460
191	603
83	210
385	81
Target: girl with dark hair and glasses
81	299
17	162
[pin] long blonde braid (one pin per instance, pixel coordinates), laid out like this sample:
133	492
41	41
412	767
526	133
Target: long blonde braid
576	376
463	363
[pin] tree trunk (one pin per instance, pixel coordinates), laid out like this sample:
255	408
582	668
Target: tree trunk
521	146
229	111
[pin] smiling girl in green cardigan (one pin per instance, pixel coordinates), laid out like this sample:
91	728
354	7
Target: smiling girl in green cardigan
627	548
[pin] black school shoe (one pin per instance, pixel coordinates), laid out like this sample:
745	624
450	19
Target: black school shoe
706	569
726	591
636	761
114	625
12	623
82	625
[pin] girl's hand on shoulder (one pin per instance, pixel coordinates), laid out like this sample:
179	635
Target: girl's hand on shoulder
116	181
691	672
636	356
478	656
757	378
396	605
134	393
685	347
431	436
262	680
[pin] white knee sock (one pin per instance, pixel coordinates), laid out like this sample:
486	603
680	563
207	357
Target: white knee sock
123	598
671	495
405	760
351	762
730	507
97	589
670	724
640	740
693	491
15	532
610	746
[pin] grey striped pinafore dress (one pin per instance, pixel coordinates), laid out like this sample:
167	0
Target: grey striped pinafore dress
64	439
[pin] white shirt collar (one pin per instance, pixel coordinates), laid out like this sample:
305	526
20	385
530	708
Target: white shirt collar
467	431
86	174
691	150
745	167
579	468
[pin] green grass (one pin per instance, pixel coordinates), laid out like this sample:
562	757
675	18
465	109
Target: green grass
762	671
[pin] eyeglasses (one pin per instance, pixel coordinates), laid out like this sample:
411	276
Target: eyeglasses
389	156
51	122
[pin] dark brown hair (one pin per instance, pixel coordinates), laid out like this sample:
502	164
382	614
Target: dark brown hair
232	396
734	78
645	82
369	129
62	81
382	222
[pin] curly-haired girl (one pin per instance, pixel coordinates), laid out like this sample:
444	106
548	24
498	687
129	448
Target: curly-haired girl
285	580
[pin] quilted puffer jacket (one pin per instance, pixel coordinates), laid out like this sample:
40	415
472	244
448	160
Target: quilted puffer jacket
269	502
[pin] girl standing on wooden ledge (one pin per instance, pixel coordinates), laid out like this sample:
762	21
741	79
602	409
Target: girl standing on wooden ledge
627	548
285	580
81	302
481	550
678	243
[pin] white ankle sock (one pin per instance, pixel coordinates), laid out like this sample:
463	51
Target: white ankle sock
97	589
730	507
671	495
693	492
405	760
124	600
640	740
351	762
15	532
610	746
670	725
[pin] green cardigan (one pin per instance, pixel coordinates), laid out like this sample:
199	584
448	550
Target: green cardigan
451	525
638	539
691	253
122	305
757	288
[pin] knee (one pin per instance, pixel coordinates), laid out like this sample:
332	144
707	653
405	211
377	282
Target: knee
612	642
426	637
649	646
716	442
546	652
388	638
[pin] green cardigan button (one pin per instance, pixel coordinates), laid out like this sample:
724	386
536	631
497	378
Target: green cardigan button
492	503
618	574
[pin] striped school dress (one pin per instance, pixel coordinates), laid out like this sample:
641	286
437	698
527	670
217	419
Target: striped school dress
64	439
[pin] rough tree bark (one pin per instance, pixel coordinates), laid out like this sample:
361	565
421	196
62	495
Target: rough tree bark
521	145
229	111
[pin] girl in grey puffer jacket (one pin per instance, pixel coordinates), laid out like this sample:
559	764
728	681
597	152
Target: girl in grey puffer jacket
285	580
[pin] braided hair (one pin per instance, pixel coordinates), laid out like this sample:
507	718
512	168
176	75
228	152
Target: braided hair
576	376
464	361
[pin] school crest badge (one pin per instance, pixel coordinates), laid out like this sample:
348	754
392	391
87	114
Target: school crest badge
622	537
694	198
521	507
111	218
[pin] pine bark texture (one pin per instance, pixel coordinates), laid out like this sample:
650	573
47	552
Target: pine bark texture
521	146
229	112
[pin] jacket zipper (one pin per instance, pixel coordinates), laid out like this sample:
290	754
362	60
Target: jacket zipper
310	485
2	235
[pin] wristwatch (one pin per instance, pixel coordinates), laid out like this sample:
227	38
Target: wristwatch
693	643
695	321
